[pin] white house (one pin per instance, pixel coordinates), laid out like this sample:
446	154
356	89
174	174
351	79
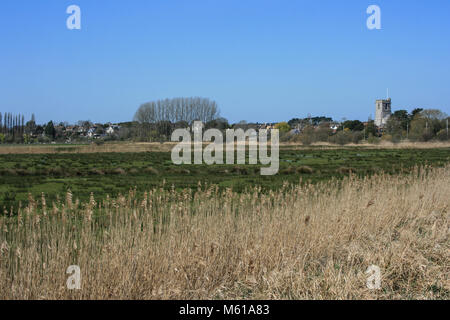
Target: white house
112	129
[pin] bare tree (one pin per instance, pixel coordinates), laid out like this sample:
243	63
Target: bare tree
177	109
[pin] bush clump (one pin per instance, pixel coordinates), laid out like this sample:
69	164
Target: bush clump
8	172
151	171
305	170
118	171
346	170
133	171
239	170
96	172
57	171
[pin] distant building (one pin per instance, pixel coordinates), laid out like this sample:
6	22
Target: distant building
112	129
334	127
382	112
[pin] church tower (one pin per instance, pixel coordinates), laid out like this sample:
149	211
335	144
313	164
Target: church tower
382	112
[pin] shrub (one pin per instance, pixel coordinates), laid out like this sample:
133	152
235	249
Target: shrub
58	171
118	171
133	171
442	135
341	138
239	170
8	172
346	170
305	170
372	139
96	172
23	172
99	142
289	170
307	139
151	171
357	136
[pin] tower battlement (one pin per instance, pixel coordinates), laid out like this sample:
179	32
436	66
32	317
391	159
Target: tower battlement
383	111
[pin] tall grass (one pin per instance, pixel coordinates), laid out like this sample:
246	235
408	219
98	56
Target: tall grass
301	242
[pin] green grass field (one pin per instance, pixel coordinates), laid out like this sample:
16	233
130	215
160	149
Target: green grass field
114	173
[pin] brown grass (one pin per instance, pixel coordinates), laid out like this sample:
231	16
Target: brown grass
301	242
167	147
91	148
381	145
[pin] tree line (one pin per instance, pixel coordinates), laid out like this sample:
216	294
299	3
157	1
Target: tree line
12	124
155	122
419	125
13	127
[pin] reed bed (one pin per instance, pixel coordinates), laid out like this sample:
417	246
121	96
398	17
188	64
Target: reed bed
301	242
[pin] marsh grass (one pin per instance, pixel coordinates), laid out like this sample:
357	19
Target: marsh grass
304	241
133	147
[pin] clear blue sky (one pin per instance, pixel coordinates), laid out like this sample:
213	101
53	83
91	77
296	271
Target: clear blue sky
263	61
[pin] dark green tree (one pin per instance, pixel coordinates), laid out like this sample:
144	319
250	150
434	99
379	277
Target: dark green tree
415	112
402	118
353	125
371	128
50	130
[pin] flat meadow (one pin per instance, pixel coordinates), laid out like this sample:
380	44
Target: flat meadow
140	227
115	169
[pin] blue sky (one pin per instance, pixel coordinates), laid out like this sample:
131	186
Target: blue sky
263	61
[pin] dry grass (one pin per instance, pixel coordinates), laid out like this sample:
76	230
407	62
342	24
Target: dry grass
167	147
381	145
91	148
302	242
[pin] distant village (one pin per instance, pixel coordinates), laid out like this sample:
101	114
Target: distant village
419	125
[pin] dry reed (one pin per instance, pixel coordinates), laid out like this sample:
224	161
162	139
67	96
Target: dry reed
301	242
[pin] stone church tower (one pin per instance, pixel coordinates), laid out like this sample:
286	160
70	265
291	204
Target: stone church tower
382	112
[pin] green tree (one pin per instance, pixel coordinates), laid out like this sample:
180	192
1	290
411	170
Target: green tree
442	135
353	125
420	130
342	137
164	128
283	127
308	136
415	112
402	118
394	128
50	130
371	129
219	123
26	138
